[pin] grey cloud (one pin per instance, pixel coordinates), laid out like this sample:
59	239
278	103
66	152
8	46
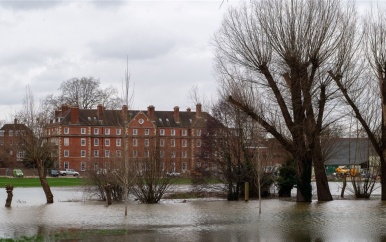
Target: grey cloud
137	46
29	4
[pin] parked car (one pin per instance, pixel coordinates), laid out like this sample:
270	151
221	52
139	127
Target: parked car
53	173
173	174
17	173
70	172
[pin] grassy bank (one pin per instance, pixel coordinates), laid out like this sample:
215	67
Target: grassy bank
35	182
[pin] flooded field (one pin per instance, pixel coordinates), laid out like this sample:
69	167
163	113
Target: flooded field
193	220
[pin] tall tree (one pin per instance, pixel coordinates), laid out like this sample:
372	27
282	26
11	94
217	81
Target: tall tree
86	93
36	149
366	92
272	58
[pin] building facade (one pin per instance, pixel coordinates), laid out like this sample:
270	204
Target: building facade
11	152
92	139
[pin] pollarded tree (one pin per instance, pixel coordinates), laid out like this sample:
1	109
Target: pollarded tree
272	58
366	92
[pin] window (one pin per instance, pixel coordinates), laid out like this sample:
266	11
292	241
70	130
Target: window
162	154
66	141
173	154
83	130
198	132
66	153
107	131
66	130
184	143
184	166
146	142
173	132
96	153
184	132
162	142
147	154
118	142
83	166
107	142
147	132
66	165
135	142
118	153
141	121
184	154
83	141
135	131
20	155
198	142
173	143
107	153
2	132
96	142
118	131
135	153
96	131
82	153
162	132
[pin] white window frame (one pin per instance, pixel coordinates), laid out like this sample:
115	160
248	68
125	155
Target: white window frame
83	153
147	131
162	132
135	153
162	142
96	141
147	142
118	142
107	131
83	142
184	143
66	130
173	132
198	143
96	130
107	153
135	142
135	131
184	132
107	142
66	153
173	143
83	166
66	141
96	153
66	165
83	131
184	166
198	132
118	131
184	154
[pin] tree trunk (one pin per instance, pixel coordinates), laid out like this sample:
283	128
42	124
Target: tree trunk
383	176
323	190
43	181
108	189
344	185
304	189
9	189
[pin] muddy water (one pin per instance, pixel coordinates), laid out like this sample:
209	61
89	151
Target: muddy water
174	220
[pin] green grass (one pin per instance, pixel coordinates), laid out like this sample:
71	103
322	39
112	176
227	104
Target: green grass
35	182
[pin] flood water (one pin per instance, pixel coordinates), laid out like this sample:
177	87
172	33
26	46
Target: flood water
194	220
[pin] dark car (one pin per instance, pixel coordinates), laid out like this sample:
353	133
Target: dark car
54	173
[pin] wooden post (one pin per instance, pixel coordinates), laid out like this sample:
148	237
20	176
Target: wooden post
246	192
9	189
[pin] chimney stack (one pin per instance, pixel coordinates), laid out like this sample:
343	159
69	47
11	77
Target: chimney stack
74	112
64	109
124	111
198	110
176	114
188	110
100	111
151	112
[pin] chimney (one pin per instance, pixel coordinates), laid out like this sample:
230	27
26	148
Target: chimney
58	113
15	121
151	112
188	110
198	110
176	114
100	111
74	115
124	111
64	109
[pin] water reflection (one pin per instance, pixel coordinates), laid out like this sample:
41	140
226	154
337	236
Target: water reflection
340	220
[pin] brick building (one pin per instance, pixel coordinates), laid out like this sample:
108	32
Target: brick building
87	139
11	154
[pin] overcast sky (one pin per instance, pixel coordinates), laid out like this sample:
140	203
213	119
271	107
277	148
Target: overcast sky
44	43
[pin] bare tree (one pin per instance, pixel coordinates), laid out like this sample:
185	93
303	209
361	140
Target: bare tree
34	144
366	92
272	59
86	93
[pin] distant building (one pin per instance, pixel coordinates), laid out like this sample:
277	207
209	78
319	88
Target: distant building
11	154
87	139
